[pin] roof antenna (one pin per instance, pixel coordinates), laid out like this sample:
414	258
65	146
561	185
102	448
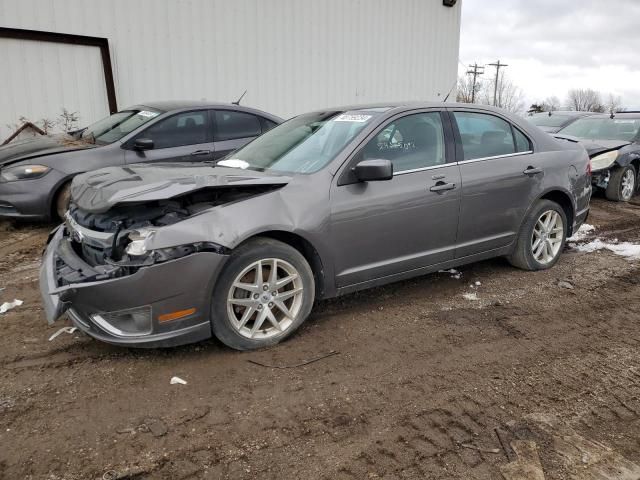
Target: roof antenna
237	102
451	90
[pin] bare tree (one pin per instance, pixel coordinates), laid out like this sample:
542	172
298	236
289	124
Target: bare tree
551	103
614	102
464	92
46	124
68	121
508	95
585	100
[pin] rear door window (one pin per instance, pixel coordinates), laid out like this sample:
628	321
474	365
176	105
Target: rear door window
485	135
231	125
523	144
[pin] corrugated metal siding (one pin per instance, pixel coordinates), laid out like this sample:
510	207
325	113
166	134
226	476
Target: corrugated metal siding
291	55
44	77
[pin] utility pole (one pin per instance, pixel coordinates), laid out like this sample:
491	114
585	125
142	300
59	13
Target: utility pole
475	72
498	65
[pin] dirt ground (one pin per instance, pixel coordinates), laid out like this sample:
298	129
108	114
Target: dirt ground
532	380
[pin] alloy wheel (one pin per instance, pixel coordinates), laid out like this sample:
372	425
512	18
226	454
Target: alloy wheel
265	298
628	184
547	237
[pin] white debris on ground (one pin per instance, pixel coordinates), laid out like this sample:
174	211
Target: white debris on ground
470	296
6	306
69	330
624	249
454	273
584	231
177	381
478	284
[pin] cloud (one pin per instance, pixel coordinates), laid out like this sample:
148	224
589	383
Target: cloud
552	46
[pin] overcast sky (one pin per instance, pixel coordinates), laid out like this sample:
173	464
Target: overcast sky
552	46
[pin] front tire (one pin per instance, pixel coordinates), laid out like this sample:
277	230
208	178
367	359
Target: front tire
541	238
62	199
622	184
265	292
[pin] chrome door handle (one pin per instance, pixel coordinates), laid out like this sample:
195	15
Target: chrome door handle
200	152
441	187
532	170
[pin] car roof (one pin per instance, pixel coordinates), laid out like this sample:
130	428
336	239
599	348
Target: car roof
178	105
410	105
630	116
571	113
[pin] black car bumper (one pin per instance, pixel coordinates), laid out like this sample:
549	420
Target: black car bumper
141	301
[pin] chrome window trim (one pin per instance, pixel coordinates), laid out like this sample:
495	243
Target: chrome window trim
516	154
433	167
422	169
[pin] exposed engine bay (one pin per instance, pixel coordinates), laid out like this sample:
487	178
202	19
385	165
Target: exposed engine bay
99	246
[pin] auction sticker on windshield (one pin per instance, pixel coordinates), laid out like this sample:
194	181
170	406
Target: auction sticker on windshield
352	117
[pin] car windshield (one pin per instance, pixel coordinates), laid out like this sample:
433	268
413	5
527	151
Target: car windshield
116	126
604	128
303	144
546	120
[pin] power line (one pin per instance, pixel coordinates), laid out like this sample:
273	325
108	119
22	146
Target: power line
498	66
475	72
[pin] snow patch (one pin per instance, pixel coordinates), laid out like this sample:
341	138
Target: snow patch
624	249
583	232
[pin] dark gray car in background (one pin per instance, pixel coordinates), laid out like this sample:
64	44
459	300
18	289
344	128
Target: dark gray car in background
327	203
555	120
613	144
35	175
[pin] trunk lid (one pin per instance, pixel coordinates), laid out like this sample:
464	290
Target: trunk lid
595	147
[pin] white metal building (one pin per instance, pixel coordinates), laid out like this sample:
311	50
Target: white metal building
290	55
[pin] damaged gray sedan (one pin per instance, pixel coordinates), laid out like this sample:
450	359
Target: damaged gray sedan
325	204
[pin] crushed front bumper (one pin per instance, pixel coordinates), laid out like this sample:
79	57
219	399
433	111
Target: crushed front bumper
181	285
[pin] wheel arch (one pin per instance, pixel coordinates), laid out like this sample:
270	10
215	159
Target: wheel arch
563	199
55	191
306	248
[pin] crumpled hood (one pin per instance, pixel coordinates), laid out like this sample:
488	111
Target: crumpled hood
595	147
40	146
98	191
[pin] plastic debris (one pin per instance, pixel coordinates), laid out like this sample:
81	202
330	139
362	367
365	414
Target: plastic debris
6	306
69	330
470	296
177	380
454	273
478	284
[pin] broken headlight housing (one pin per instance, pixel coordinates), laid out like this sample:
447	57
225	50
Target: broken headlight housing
138	245
605	160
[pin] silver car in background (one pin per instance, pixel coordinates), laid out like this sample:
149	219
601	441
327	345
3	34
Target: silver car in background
327	203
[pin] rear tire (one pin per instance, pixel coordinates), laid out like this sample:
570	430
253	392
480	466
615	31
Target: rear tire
541	238
255	305
622	184
62	199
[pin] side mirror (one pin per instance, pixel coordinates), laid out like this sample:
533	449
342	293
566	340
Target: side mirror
373	170
143	144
